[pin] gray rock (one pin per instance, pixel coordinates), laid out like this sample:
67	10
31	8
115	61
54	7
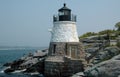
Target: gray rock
109	68
79	74
106	54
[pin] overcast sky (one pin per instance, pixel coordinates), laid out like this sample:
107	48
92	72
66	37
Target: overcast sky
26	22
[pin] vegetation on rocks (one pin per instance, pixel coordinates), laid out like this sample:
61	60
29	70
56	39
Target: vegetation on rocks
117	25
111	33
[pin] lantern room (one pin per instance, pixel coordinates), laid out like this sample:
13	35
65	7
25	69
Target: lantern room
64	14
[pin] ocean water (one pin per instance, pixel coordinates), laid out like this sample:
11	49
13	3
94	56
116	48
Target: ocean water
11	54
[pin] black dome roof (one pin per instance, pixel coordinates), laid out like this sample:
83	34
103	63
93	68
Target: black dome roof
64	8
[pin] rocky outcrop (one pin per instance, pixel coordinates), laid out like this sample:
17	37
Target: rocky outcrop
99	48
9	70
31	63
106	54
101	57
109	68
38	67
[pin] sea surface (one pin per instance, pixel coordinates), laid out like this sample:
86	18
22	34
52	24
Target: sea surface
11	54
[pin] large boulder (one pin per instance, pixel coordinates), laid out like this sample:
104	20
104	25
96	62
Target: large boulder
109	68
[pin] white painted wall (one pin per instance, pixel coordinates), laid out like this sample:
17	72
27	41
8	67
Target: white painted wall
64	31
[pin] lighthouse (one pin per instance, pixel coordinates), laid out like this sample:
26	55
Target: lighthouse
65	50
64	36
64	29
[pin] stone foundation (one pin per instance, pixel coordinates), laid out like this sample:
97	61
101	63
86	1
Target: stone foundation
59	66
64	59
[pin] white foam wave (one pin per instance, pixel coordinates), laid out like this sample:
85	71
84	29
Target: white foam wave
2	71
18	71
34	73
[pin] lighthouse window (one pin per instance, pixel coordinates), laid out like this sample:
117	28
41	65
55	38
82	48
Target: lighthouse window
54	48
66	12
61	13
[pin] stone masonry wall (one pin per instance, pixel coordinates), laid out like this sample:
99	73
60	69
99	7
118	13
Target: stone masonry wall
62	69
63	48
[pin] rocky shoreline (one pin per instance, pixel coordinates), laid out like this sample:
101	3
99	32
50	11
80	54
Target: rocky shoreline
28	63
101	57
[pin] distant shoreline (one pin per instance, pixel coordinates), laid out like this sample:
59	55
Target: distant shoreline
21	48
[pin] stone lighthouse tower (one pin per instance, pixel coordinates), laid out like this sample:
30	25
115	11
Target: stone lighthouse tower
64	29
65	50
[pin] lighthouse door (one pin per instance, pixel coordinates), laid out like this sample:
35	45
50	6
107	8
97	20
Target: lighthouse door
73	51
